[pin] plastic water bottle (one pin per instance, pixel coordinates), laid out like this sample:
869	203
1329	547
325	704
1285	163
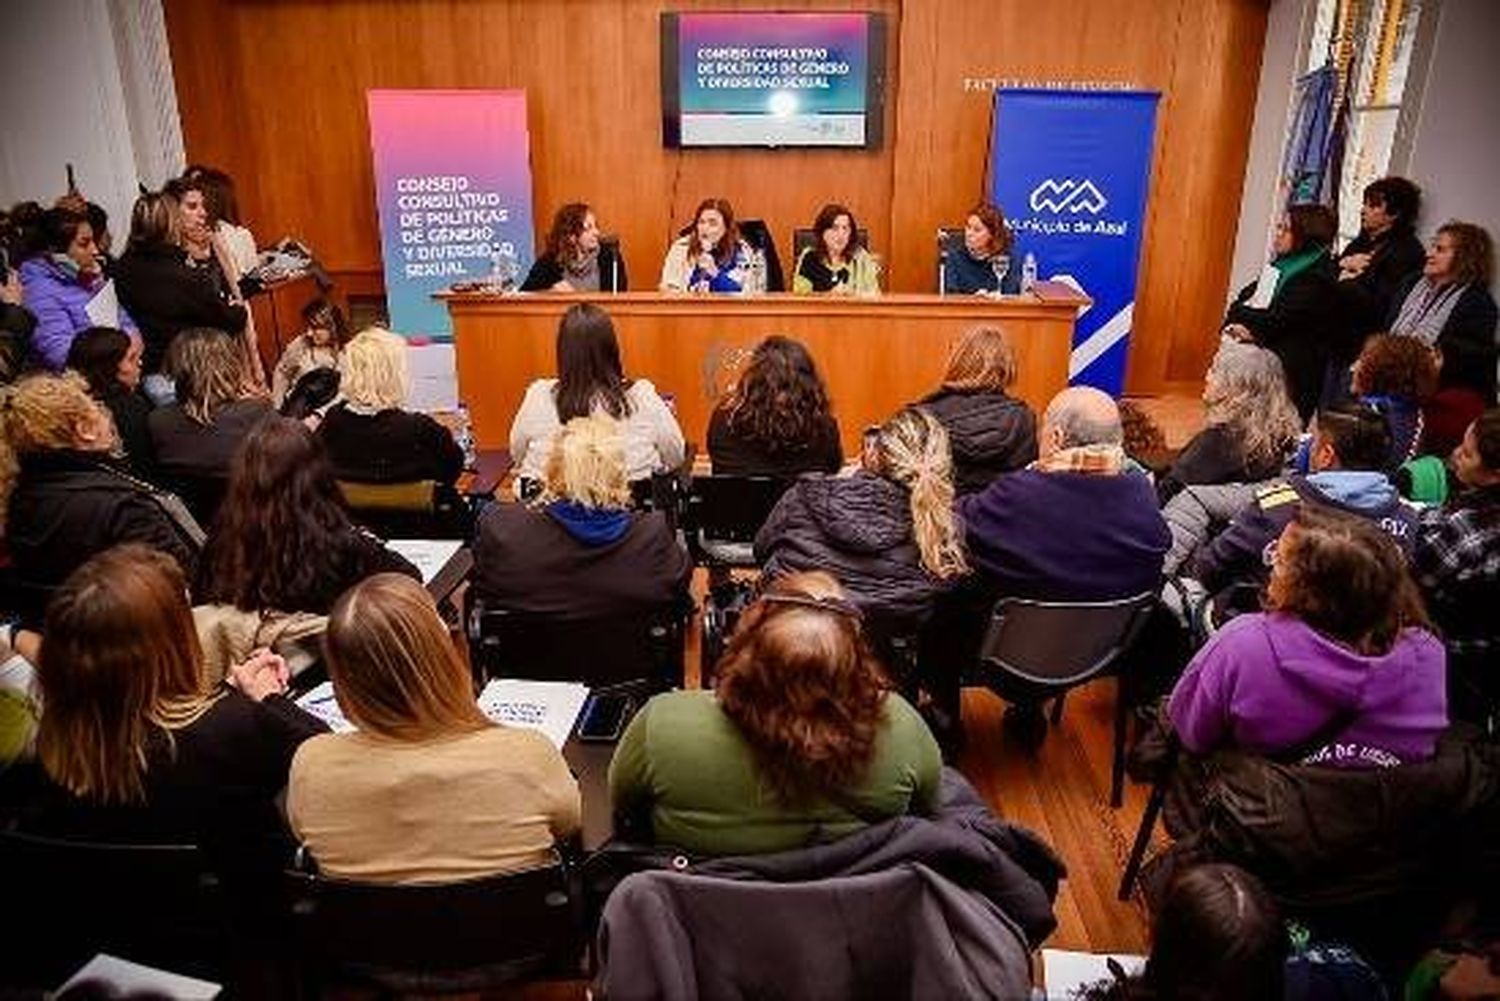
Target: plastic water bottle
463	436
757	282
1028	271
504	268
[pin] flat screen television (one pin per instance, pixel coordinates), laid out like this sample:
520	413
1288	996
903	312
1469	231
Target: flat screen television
764	78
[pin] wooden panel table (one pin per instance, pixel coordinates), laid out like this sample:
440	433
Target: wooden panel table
875	354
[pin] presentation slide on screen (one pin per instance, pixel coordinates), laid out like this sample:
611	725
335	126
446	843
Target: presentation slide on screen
773	79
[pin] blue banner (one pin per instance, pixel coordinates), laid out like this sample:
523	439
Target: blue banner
1070	171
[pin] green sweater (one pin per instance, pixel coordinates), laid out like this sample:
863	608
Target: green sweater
686	763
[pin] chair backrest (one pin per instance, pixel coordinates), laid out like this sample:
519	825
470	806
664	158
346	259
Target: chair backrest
756	233
464	935
155	904
417	509
728	509
947	237
603	650
1053	645
804	238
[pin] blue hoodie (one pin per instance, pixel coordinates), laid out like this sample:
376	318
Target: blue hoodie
59	301
592	526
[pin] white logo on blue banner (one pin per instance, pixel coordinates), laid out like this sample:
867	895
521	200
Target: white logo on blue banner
1070	169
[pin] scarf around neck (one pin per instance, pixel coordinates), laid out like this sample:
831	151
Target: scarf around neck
1107	460
1426	310
1289	266
592	526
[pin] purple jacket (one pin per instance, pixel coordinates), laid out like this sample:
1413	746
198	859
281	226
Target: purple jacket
1267	683
59	303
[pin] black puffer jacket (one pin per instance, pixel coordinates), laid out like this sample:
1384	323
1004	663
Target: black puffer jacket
857	528
989	433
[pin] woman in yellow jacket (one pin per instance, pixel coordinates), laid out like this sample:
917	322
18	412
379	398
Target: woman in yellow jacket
836	264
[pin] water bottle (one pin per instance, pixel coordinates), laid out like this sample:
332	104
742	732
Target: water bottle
504	268
1028	272
757	282
463	436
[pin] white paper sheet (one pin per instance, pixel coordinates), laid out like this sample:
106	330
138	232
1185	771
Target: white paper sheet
549	706
104	308
427	555
321	703
1067	973
1265	288
434	377
127	978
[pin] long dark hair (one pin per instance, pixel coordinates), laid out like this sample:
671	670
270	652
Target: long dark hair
562	238
96	354
828	215
589	374
728	244
282	531
780	401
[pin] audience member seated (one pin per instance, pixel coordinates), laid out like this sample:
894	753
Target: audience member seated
282	539
426	790
1457	563
320	345
370	438
575	259
111	362
16	325
1293	308
590	380
711	258
217	405
59	279
1448	306
1376	263
1219	934
801	743
157	286
836	263
982	262
1343	668
133	748
1350	443
989	431
885	531
64	499
1396	375
777	420
580	552
1250	423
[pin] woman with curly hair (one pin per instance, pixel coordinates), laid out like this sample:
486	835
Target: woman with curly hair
801	743
1250	423
575	258
1397	376
777	421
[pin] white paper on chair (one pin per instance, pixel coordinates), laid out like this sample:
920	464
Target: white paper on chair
1068	973
126	979
1265	288
427	555
434	382
320	702
549	706
103	309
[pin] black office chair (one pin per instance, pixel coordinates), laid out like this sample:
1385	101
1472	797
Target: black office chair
1036	650
420	509
435	938
950	239
159	905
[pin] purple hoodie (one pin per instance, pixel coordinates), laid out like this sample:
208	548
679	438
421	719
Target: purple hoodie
59	302
1266	683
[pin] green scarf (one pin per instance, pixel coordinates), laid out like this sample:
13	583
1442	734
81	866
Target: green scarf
1289	266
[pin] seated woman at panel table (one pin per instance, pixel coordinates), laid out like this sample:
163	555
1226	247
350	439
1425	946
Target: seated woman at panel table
580	551
989	431
426	790
751	768
370	438
575	259
836	263
982	262
777	421
590	380
712	258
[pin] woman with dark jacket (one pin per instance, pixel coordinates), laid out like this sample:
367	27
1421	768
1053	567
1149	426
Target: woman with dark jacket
580	551
980	262
1293	308
162	292
64	500
990	431
282	539
576	260
111	362
777	420
1377	262
887	532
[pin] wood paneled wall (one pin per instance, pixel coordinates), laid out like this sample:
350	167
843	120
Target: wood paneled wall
273	91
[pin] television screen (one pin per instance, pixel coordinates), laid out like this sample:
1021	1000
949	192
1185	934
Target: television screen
772	79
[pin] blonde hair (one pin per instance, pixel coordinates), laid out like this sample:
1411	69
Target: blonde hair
913	451
374	367
587	464
41	413
209	370
394	668
1246	392
984	359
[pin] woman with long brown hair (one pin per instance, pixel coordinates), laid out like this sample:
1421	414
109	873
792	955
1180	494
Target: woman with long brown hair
282	539
134	744
1343	666
802	742
778	420
711	257
425	789
989	431
576	259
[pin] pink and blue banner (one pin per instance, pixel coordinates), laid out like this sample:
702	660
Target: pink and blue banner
453	189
